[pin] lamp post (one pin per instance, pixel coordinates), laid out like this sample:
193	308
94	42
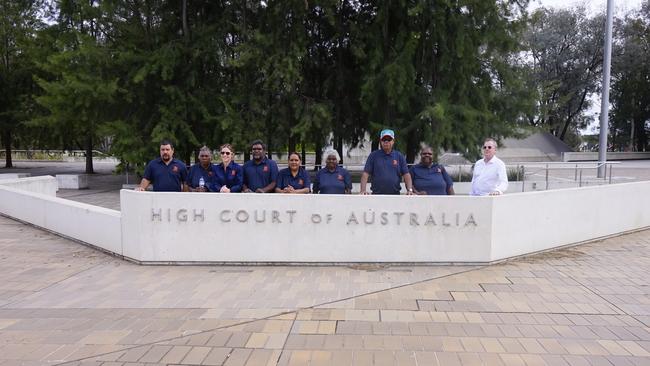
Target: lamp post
604	102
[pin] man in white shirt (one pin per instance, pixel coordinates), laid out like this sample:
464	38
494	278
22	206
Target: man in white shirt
489	177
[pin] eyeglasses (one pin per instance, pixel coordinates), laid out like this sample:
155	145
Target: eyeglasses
487	147
256	148
225	153
204	156
386	140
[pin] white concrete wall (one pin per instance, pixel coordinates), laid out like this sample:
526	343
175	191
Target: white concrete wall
94	225
611	156
46	185
506	226
533	221
182	227
72	181
13	175
226	239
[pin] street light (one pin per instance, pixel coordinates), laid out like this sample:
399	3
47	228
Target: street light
604	103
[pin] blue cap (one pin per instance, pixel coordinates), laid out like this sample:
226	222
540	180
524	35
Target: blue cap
389	133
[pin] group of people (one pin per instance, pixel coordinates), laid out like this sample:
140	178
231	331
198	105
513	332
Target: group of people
385	167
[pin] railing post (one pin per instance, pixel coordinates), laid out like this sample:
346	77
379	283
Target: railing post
547	177
580	181
523	178
610	173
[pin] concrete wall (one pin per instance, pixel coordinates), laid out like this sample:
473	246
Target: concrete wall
533	221
611	156
238	228
46	185
13	175
94	225
162	227
316	228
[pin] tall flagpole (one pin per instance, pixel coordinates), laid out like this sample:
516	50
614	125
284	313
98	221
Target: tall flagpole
604	102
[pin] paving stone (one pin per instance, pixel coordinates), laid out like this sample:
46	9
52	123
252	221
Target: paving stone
582	305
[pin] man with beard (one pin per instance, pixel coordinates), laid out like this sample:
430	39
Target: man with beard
165	173
261	173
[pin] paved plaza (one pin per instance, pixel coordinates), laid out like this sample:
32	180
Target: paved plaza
62	303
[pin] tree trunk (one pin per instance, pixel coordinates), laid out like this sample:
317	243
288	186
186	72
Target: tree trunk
291	144
319	154
187	158
412	145
89	154
339	148
6	141
641	137
186	32
632	144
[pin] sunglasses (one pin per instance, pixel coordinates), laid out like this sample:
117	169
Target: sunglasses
204	156
225	153
386	140
487	147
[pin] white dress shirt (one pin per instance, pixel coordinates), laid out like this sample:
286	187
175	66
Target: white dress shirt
489	177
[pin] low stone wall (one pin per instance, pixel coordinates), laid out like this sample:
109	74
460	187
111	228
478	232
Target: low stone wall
163	227
534	221
4	176
90	224
611	156
176	227
46	185
253	228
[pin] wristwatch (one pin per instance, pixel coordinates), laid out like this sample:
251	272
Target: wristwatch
411	190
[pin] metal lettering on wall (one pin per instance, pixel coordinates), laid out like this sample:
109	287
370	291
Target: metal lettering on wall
353	218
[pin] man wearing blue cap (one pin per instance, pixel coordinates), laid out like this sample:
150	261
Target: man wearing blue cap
387	167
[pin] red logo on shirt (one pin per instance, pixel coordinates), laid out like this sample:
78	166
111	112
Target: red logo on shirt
266	168
339	177
394	162
233	173
175	169
301	182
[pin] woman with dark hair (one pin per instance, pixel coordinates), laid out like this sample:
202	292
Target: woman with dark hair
229	175
293	179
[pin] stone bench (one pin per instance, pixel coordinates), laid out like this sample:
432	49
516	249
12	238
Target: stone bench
72	181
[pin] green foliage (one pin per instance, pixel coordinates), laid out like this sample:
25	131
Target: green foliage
630	94
565	68
19	23
296	73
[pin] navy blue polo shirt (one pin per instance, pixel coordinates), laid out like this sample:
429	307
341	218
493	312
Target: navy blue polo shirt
434	180
300	181
260	175
232	177
386	171
197	171
166	177
335	182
